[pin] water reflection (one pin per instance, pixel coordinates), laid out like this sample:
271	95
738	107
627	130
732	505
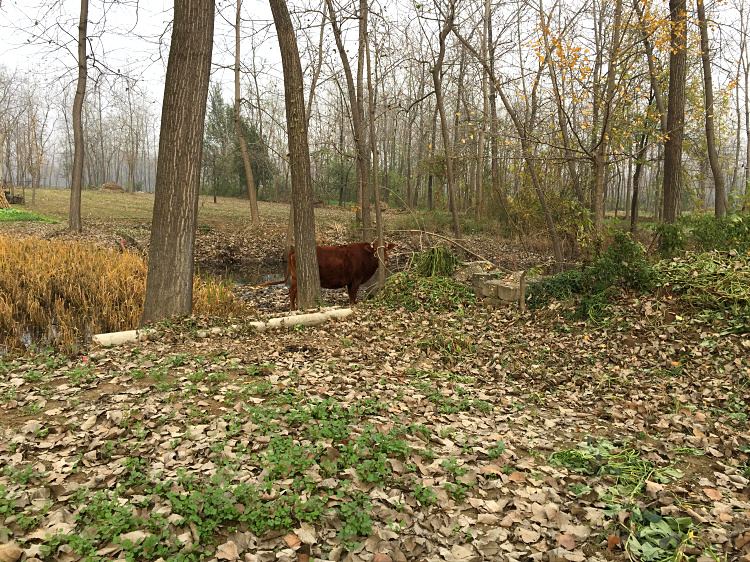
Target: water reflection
245	273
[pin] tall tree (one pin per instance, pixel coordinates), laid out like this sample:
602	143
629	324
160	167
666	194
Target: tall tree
600	159
254	217
308	275
74	219
356	103
720	203
675	109
375	179
169	284
447	145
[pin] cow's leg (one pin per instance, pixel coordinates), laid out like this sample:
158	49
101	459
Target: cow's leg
352	288
293	293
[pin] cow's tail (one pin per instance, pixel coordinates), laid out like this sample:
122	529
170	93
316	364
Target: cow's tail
285	279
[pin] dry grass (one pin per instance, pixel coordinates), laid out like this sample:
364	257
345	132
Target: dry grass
62	292
129	208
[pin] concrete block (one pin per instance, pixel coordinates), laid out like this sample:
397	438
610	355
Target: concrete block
479	279
509	291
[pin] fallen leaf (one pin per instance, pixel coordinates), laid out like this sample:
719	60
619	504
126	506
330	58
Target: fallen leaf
529	535
381	557
612	541
227	551
568	542
10	552
292	540
713	493
517	477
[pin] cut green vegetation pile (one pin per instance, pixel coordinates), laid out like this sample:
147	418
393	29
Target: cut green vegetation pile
438	261
427	286
624	265
414	292
710	280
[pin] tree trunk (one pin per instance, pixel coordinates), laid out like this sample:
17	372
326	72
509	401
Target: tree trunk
601	153
74	218
640	157
675	109
254	216
447	145
375	182
357	114
308	275
720	203
169	285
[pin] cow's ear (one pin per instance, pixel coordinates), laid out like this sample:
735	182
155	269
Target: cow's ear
370	248
390	246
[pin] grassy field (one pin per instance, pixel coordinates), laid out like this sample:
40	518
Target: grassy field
127	208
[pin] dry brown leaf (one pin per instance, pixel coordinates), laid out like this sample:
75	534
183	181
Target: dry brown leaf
10	553
612	541
382	557
517	477
227	551
568	542
292	540
713	493
742	540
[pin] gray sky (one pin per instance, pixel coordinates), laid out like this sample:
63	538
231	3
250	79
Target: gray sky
122	39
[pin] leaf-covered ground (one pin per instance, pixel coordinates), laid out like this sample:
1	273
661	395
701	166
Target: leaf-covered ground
473	434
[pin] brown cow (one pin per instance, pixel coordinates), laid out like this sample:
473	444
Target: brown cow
347	266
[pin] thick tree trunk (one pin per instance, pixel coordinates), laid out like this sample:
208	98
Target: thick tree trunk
675	109
254	216
720	204
169	285
308	275
76	184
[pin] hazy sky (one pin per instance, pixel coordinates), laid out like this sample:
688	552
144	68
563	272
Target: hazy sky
125	36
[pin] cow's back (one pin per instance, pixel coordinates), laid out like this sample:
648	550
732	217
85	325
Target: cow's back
343	265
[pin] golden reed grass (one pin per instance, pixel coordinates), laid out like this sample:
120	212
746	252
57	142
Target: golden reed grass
62	292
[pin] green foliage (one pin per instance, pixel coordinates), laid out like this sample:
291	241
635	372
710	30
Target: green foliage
438	261
413	292
712	281
624	467
657	538
496	450
355	518
707	232
624	265
338	180
17	215
671	239
424	494
223	168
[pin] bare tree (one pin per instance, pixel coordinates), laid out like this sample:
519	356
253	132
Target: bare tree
675	109
447	145
74	219
254	216
308	275
169	284
720	203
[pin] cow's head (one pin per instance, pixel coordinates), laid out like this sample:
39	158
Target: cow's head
388	247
